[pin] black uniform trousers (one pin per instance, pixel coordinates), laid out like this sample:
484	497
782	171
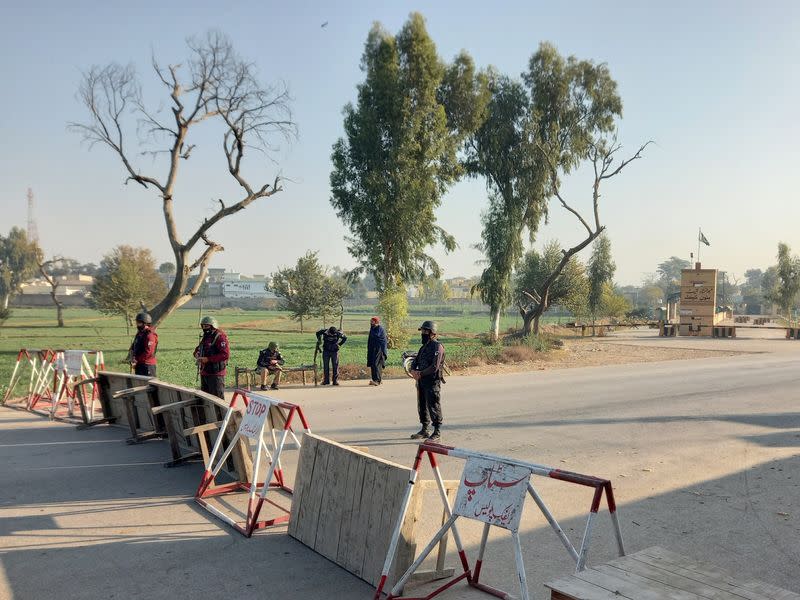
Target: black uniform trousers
428	402
146	370
330	360
213	384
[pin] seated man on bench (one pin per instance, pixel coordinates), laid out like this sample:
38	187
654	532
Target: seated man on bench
270	361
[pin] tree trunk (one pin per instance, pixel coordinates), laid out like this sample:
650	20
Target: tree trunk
301	324
494	333
59	307
527	321
6	297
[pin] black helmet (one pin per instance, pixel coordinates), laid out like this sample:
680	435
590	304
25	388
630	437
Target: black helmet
429	325
144	318
331	330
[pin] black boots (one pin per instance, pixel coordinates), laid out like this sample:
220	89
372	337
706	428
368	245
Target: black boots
421	434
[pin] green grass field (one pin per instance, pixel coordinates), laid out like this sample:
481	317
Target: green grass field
248	331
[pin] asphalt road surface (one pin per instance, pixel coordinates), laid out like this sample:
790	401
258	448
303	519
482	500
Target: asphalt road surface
703	456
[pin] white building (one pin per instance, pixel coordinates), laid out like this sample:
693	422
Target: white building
250	288
68	285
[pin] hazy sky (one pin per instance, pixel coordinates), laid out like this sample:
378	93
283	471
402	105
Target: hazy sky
714	84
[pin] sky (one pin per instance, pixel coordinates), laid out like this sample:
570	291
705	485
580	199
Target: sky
714	85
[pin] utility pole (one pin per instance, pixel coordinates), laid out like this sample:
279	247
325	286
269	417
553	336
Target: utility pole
33	231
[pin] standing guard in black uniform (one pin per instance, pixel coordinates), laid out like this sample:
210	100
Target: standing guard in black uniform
427	369
332	339
212	354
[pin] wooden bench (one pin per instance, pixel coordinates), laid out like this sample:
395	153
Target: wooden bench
659	573
251	375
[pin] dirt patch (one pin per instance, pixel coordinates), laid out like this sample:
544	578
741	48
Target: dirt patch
589	352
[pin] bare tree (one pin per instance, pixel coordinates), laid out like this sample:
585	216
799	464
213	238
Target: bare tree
45	266
601	154
215	83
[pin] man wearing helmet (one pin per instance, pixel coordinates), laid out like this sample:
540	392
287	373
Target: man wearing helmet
144	346
212	357
427	370
331	339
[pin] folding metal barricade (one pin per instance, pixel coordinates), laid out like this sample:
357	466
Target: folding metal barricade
70	367
492	490
262	415
38	360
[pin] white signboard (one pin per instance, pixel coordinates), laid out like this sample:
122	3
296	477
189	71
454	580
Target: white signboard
492	492
74	361
253	421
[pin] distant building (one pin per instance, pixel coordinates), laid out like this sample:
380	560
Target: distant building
238	286
68	285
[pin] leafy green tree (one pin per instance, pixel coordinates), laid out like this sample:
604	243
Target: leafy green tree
127	283
19	262
653	295
769	284
669	274
752	294
433	289
614	305
398	157
574	107
307	291
497	153
167	268
536	132
601	268
787	283
570	289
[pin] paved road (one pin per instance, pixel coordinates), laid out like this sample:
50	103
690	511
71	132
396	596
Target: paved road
703	455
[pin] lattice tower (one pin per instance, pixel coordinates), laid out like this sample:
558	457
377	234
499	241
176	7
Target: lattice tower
33	231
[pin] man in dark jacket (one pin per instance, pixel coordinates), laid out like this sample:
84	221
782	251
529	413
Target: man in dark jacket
377	350
212	356
427	370
331	339
270	361
144	346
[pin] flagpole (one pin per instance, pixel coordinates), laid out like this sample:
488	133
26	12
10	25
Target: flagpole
698	244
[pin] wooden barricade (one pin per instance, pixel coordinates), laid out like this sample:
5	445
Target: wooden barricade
127	400
187	417
191	420
345	503
659	573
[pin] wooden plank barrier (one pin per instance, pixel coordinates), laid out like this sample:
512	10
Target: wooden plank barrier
188	418
345	504
127	399
191	420
658	573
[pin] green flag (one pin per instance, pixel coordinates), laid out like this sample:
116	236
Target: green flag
703	239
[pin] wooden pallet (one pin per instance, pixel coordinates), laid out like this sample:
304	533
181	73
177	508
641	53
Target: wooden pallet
656	573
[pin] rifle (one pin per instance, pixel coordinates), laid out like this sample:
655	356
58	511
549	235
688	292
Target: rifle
316	352
199	356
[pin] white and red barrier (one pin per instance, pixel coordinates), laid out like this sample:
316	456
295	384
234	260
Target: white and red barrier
39	363
73	367
493	490
262	417
54	375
